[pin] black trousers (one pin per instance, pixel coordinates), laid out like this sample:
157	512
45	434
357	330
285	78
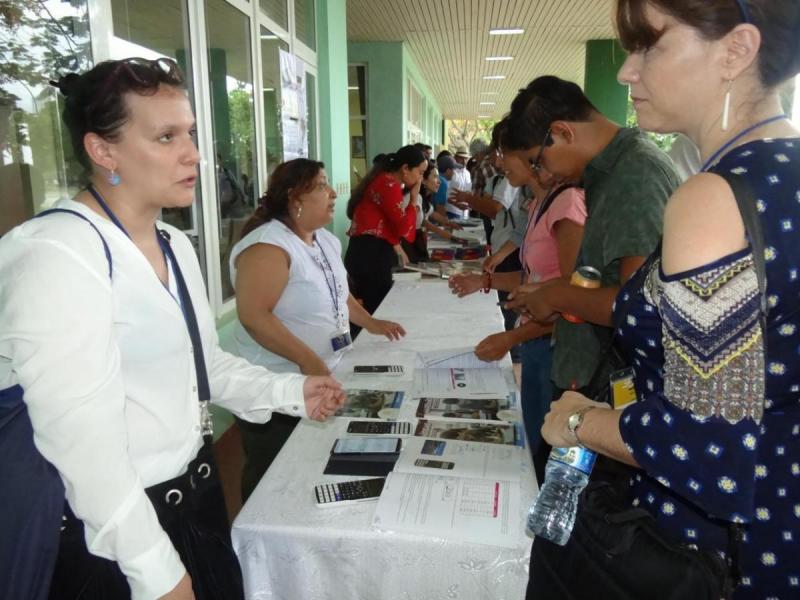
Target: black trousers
261	443
510	264
191	509
418	251
369	261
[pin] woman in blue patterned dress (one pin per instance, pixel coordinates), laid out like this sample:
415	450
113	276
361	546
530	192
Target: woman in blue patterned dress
716	428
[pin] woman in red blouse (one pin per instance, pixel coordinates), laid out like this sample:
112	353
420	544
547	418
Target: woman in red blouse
381	218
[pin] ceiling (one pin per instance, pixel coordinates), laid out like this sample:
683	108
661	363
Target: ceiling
449	41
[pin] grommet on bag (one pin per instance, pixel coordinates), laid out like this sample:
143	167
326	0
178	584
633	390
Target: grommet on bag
63	520
178	495
204	470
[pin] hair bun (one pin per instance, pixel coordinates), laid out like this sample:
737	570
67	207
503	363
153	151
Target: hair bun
67	84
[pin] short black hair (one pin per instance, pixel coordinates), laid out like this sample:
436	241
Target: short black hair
95	100
544	100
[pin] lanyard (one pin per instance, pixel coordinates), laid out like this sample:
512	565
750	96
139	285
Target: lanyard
716	156
542	208
203	389
329	281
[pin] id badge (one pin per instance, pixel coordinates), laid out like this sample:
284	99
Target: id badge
623	392
341	340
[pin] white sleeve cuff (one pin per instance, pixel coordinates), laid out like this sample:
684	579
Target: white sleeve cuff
155	572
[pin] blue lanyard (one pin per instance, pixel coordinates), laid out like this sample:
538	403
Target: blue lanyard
329	281
203	388
716	156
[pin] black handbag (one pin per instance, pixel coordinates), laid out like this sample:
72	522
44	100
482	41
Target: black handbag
616	552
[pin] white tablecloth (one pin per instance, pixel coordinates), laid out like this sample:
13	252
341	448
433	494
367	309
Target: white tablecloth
290	549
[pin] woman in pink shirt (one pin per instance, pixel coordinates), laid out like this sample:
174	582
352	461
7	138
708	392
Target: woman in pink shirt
549	250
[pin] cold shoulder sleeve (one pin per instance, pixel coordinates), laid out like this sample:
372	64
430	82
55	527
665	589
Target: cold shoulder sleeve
700	436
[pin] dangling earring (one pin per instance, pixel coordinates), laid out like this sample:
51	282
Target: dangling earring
113	177
299	211
726	107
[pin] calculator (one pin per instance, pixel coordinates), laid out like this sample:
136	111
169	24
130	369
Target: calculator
379	428
348	492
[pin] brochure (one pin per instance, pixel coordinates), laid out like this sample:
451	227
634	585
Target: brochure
460	383
481	511
371	404
461	459
470	409
489	433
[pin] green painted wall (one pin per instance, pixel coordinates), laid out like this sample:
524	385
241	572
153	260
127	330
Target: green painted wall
385	93
432	132
334	126
604	59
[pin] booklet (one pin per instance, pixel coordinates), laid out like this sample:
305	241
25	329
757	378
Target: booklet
489	433
371	404
481	511
461	383
470	409
449	358
461	459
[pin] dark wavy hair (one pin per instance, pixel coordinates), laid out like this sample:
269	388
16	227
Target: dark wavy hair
95	100
409	156
288	180
777	20
544	100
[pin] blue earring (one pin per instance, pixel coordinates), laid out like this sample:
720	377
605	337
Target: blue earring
113	178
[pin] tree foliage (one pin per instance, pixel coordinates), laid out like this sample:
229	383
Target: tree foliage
461	132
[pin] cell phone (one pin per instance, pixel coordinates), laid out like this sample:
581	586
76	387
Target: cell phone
376	369
434	464
379	428
348	492
367	445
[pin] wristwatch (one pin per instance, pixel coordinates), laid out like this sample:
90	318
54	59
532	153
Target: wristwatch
575	420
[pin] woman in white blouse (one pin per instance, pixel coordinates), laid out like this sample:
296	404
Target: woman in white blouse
98	343
292	298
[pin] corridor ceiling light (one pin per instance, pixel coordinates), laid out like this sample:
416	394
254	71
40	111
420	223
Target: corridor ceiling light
488	103
269	89
269	36
510	31
484	117
489	93
352	87
499	58
494	76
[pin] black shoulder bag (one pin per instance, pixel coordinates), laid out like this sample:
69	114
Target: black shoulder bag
616	551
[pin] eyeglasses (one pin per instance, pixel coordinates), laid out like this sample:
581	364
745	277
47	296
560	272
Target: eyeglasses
144	72
537	164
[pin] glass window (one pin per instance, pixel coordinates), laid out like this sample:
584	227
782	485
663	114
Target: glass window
231	89
357	97
311	107
305	25
152	29
271	76
416	109
277	11
38	41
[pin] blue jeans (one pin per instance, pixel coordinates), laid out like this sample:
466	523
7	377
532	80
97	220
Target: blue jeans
536	388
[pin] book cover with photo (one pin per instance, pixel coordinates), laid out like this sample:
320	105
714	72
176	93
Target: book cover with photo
488	433
371	404
469	409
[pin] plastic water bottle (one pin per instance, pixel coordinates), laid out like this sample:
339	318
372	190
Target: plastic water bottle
552	514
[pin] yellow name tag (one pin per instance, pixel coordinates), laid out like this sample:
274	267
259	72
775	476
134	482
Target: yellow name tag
623	392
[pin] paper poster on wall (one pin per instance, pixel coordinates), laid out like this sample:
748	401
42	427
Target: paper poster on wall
294	115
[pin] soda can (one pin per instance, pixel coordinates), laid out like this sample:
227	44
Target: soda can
585	277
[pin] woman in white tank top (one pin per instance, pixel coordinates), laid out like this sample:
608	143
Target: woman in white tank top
292	299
